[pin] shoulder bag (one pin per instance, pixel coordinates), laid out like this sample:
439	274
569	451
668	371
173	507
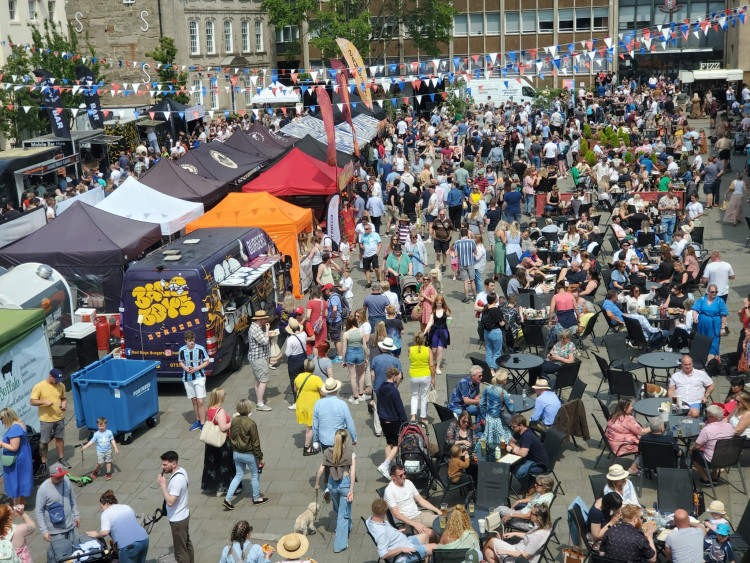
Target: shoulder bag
505	415
211	434
301	387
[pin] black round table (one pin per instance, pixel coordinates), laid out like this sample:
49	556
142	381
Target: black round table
660	361
521	404
689	427
479	513
519	365
650	407
666	319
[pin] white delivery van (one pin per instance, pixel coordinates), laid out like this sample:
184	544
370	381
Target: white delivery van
501	90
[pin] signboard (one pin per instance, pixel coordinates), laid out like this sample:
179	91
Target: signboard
711	66
46	143
50	165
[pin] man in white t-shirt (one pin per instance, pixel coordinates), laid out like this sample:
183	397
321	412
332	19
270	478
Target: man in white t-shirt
404	501
693	386
175	492
718	273
550	153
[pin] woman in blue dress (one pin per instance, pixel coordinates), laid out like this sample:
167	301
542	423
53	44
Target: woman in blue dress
18	474
415	248
712	317
513	242
493	400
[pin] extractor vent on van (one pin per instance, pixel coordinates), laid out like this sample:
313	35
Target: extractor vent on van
173	257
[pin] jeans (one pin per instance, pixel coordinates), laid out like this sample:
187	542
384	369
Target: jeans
493	342
473	410
134	553
528	204
243	462
512	217
339	490
478	280
420	386
668	224
536	161
529	467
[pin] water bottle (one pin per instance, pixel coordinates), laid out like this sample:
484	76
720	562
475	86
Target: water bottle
498	454
523	394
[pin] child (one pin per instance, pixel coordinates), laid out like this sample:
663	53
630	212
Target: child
718	517
394	328
454	260
457	465
344	250
346	283
717	549
193	360
105	441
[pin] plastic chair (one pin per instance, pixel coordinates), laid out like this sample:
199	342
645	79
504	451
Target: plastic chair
598	482
579	387
575	516
444	413
440	429
603	369
450	384
623	384
493	485
607	447
674	489
533	337
655	455
727	454
364	523
580	338
486	373
699	350
617	352
566	377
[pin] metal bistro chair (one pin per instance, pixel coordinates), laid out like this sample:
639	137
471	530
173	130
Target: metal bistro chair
740	537
699	350
389	515
623	384
542	300
566	377
493	485
579	387
636	336
618	354
524	300
448	556
486	373
533	337
598	481
440	429
464	486
603	369
606	447
674	489
450	383
727	454
655	455
444	413
579	338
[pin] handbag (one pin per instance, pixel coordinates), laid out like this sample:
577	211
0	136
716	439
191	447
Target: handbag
212	434
56	513
432	395
416	312
505	415
9	460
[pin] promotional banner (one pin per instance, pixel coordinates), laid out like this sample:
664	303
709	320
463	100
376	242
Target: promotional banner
333	223
52	96
357	67
326	112
342	79
90	96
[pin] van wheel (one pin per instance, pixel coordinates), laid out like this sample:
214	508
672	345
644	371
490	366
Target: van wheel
238	355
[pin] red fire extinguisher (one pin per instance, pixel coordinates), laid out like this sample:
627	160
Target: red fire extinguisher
102	332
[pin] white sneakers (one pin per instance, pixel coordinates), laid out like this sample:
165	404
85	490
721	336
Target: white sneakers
383	470
354	400
292	407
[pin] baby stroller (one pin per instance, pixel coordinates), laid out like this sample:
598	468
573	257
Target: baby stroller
409	296
61	550
413	454
740	142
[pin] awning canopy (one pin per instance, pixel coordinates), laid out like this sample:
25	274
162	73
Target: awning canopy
223	163
728	74
295	174
168	178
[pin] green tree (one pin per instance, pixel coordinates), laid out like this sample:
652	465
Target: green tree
52	46
349	19
168	73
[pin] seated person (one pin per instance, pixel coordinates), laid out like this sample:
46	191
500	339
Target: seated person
519	515
620	279
526	444
498	550
617	228
460	433
550	230
630	539
681	335
563	352
612	311
717	548
694	386
603	514
591	284
681	240
573	275
459	533
404	501
635	295
717	516
394	544
656	424
458	466
626	252
617	482
531	254
547	404
465	396
685	543
654	336
530	265
703	448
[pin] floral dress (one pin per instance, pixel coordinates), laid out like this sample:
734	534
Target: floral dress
494	399
623	435
428	291
218	464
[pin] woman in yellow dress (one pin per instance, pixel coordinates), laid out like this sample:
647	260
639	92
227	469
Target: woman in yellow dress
307	390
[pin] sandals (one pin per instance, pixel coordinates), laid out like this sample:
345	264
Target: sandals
309	451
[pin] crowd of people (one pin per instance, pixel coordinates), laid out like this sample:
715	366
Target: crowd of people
483	188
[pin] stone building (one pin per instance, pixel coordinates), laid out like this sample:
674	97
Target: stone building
231	34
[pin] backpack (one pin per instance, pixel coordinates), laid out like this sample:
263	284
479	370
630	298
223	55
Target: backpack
342	305
7	551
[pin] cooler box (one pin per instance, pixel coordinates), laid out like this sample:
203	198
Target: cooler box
122	391
83	335
84	315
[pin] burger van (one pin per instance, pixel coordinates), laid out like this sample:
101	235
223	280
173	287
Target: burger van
210	282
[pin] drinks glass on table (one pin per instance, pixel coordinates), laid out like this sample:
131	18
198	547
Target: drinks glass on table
471	508
444	509
443	520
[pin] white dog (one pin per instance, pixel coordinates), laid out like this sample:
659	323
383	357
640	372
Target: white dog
304	524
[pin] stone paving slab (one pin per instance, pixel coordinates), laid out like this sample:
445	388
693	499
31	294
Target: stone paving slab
288	476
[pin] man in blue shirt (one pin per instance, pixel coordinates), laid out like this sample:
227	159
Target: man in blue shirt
466	248
454	201
612	311
378	366
391	413
547	403
330	414
465	396
193	360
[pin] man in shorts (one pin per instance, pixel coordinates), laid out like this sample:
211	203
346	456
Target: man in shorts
393	542
370	245
193	360
405	501
49	396
465	248
258	354
441	236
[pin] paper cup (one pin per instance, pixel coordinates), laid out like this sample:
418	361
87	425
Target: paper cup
482	525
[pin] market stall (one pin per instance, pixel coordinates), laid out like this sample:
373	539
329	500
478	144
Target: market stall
296	174
219	162
172	180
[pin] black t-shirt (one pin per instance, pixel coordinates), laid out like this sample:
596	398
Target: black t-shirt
410	202
537	453
491	318
486	148
392	196
426	199
493	215
519	168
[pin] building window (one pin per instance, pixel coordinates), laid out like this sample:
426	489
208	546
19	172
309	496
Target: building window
194	40
565	20
546	21
643	16
476	24
50	8
210	39
528	21
246	89
259	35
460	25
228	36
197	92
12	9
512	22
245	36
583	19
290	33
601	19
627	17
213	97
32	10
493	23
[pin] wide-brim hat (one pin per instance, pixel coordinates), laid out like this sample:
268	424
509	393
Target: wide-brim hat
387	344
292	546
501	129
293	327
541	384
716	506
260	314
331	385
616	473
404	217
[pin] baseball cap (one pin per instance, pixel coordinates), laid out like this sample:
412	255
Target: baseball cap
327	286
57	374
57	470
723	530
299	311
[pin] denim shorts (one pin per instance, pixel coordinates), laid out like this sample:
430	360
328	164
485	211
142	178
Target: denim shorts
355	356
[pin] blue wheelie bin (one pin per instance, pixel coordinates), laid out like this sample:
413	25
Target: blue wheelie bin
122	391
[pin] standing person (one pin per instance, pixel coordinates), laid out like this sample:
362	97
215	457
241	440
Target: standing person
49	396
194	360
466	249
370	245
307	389
392	415
354	357
380	361
56	506
492	321
18	477
440	232
736	207
248	457
119	522
421	376
258	353
481	263
428	295
296	353
316	314
501	236
175	493
668	207
105	443
340	461
415	249
718	273
218	465
334	319
493	401
438	335
16	535
377	209
330	414
712	317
